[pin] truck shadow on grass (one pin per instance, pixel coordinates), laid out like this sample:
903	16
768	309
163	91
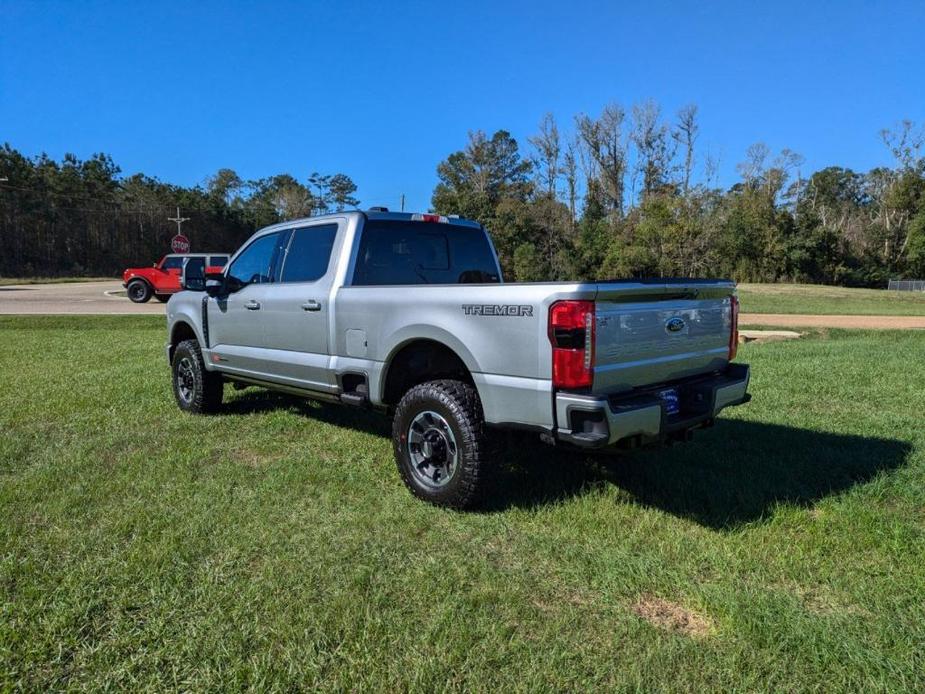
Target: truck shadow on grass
731	474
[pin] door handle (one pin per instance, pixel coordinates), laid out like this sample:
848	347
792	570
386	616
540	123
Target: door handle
252	305
311	305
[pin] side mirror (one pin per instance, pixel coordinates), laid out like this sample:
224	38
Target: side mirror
215	281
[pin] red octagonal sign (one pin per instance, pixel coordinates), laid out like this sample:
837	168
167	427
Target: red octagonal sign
179	244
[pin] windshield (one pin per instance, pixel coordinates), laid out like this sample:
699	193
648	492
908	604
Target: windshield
401	252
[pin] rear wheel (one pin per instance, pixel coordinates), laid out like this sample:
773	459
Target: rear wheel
138	291
195	389
440	443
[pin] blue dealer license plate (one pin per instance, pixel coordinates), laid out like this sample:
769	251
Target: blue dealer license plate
671	400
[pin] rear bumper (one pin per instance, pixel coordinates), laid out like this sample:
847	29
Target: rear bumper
641	417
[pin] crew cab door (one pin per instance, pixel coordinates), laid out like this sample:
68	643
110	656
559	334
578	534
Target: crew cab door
297	310
237	331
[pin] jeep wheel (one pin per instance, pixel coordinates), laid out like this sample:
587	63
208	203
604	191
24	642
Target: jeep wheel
440	443
163	298
138	291
196	390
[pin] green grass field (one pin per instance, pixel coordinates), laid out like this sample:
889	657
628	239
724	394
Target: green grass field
274	547
819	299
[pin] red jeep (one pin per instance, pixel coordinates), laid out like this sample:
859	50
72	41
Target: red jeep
163	279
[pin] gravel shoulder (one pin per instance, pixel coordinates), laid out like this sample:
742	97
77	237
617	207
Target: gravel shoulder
795	320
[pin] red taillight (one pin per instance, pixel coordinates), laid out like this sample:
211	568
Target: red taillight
571	332
734	332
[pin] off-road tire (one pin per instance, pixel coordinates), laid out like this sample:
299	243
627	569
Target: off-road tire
163	298
138	291
205	387
458	403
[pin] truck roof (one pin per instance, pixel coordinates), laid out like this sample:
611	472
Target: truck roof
378	214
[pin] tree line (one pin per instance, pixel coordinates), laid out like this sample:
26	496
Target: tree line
74	217
628	193
624	193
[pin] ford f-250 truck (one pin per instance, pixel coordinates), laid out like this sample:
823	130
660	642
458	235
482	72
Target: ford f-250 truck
408	314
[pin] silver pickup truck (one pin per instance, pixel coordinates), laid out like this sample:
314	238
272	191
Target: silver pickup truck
408	314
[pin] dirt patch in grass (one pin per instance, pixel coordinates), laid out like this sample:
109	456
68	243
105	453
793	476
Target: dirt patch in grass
670	616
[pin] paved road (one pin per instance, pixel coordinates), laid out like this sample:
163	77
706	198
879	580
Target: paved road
72	298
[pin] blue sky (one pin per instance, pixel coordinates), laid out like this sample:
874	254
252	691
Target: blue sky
383	91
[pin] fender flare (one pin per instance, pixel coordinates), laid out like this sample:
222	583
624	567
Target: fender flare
429	333
187	320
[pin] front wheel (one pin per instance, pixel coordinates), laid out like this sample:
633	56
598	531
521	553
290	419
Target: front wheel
440	443
138	291
195	389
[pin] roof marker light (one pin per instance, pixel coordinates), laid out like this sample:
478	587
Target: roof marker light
418	217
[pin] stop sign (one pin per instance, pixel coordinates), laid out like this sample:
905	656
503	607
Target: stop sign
179	244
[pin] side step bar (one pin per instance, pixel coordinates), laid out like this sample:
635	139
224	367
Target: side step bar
354	399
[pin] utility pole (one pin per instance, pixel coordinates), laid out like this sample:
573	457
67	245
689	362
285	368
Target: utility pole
402	202
179	220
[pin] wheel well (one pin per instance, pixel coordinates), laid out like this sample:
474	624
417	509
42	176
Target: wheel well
143	280
181	331
418	362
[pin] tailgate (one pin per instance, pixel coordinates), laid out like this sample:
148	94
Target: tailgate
646	335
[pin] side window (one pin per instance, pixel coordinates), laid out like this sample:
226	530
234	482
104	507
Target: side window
173	262
254	265
309	253
218	261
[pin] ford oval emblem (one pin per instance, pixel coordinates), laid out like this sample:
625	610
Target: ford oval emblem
675	325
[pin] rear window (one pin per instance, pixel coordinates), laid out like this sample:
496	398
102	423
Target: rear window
400	252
